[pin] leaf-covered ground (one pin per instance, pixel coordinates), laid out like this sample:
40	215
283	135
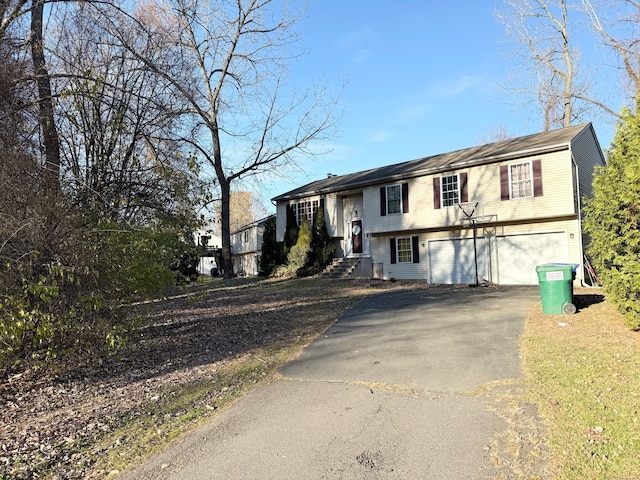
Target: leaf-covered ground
64	427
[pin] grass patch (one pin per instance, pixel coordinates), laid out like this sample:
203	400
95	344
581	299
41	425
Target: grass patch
583	371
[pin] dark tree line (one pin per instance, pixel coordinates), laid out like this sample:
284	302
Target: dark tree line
116	123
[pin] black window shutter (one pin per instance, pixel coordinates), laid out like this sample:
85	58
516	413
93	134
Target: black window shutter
537	178
436	192
392	246
464	189
383	201
405	198
416	250
322	204
504	183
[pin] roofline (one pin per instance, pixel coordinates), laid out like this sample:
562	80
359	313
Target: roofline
419	173
252	224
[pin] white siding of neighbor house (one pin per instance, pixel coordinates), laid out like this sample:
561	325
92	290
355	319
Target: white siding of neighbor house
245	254
483	185
254	243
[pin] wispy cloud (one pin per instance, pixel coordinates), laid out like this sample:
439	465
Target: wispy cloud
378	136
457	86
411	113
358	43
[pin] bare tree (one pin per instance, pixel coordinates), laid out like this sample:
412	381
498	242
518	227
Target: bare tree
116	123
544	43
46	117
617	22
10	12
243	118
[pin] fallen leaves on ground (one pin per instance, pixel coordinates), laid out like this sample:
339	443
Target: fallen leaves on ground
52	424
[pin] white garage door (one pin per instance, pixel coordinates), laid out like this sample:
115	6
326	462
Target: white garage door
518	256
452	261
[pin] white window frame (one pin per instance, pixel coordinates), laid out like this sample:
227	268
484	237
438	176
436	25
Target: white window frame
402	253
516	189
447	202
307	208
389	198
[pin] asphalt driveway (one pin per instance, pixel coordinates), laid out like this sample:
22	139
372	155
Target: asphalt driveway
406	385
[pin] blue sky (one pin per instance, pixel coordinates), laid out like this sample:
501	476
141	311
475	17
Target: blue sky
422	78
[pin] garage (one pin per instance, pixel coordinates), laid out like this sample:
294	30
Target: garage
452	261
518	255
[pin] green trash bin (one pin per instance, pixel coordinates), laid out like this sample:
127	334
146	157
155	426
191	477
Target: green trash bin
556	287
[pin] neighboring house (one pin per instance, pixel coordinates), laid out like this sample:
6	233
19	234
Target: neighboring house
246	248
410	220
207	243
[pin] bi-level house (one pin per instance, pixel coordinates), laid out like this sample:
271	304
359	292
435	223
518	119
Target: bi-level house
246	248
490	213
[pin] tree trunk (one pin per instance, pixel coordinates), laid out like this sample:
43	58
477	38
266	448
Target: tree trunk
568	60
225	192
45	103
227	262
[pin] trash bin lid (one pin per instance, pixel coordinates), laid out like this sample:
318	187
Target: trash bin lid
554	267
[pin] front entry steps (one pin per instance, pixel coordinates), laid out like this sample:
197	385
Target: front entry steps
341	268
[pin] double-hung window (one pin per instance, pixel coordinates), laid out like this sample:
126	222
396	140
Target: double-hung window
450	190
405	250
521	180
394	199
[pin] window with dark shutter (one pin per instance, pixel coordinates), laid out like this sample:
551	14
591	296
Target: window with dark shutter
416	249
383	201
521	180
504	183
464	189
436	192
537	178
405	198
392	247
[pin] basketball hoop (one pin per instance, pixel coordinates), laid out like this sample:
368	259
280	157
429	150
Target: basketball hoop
467	221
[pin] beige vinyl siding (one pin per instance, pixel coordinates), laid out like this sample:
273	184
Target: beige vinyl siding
281	221
380	249
380	253
333	215
483	185
557	199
